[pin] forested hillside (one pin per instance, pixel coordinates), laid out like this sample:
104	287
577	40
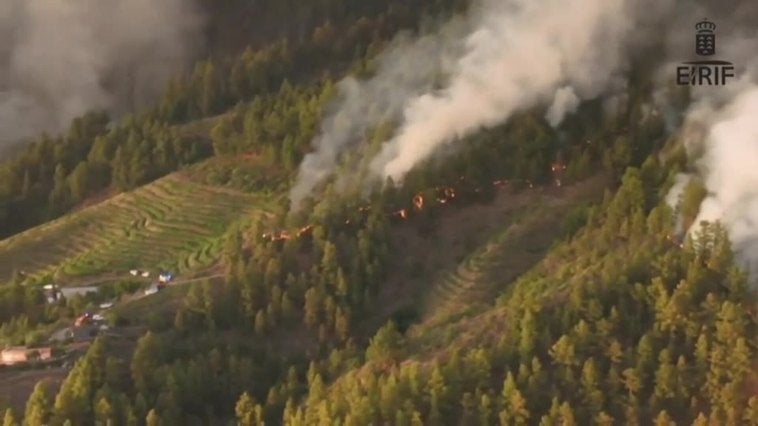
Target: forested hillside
55	173
536	274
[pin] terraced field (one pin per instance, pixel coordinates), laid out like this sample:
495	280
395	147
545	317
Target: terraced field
173	224
512	251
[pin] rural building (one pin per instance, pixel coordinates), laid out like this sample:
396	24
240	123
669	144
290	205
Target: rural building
21	354
52	294
69	292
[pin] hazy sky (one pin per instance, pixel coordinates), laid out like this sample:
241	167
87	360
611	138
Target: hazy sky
59	59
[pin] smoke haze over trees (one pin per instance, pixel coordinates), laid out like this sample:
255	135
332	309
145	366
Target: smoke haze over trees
61	59
507	57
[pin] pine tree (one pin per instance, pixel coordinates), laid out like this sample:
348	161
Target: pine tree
527	335
38	406
416	419
9	419
248	412
750	415
78	182
567	415
665	377
663	419
342	324
153	418
437	391
700	420
145	361
385	344
593	396
485	410
603	419
260	323
312	307
104	412
514	405
288	308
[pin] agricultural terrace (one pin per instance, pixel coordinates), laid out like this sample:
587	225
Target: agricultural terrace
174	223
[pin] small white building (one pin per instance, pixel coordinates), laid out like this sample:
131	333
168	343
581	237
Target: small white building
69	292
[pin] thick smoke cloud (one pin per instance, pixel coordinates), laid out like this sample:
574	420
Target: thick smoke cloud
521	54
515	54
407	68
60	59
721	135
728	167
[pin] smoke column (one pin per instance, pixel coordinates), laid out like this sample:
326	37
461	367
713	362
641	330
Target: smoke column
60	59
721	136
522	53
728	167
407	68
513	55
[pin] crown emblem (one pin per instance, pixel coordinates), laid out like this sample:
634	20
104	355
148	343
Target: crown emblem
705	39
705	26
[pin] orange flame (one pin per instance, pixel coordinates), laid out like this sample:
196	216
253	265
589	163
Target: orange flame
558	167
402	214
306	230
418	200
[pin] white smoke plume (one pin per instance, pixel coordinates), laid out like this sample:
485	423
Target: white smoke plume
566	102
721	136
677	190
407	68
520	55
60	59
728	167
515	54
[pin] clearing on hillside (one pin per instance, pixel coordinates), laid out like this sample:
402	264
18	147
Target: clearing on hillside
487	246
174	224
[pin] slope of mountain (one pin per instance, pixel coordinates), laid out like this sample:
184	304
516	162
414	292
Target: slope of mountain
173	224
532	273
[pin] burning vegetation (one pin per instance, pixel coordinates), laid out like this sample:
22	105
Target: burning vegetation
558	169
677	240
286	235
442	195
